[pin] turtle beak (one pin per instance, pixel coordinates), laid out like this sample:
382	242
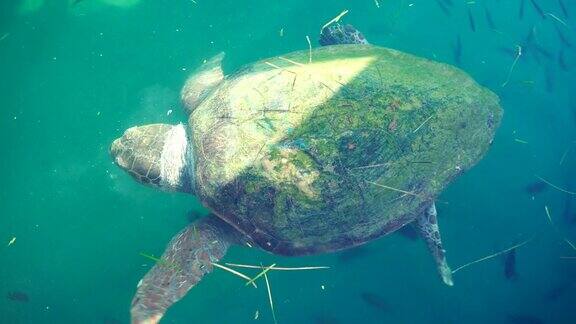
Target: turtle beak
124	150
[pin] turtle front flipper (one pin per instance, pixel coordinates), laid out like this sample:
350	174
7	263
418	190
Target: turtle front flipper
427	224
187	258
202	82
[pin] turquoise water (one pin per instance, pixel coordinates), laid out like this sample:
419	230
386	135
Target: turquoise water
74	77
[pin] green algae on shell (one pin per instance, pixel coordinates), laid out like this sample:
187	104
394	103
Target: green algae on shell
284	149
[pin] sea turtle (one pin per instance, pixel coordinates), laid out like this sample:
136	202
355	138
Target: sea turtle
309	152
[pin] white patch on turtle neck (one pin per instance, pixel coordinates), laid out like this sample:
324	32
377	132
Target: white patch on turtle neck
173	158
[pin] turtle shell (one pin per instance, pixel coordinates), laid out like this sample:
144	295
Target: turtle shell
317	151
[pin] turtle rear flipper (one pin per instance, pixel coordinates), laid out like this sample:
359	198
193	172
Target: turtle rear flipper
337	34
427	224
201	83
187	258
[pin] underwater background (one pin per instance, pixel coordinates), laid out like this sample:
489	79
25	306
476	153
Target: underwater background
73	225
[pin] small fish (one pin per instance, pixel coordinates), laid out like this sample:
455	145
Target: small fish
471	20
562	61
536	187
544	52
538	9
4	36
521	10
458	50
534	55
530	38
443	7
375	301
563	39
18	296
563	8
523	319
558	292
549	78
12	241
510	265
449	3
511	52
528	82
532	49
489	19
569	213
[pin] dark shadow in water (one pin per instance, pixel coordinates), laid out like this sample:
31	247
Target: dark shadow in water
110	320
325	319
375	301
523	319
569	212
559	291
510	265
353	253
536	187
18	296
410	232
194	215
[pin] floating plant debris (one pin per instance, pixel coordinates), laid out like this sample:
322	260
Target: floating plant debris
239	274
492	255
261	274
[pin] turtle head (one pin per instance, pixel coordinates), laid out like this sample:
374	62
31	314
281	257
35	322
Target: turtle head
157	155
